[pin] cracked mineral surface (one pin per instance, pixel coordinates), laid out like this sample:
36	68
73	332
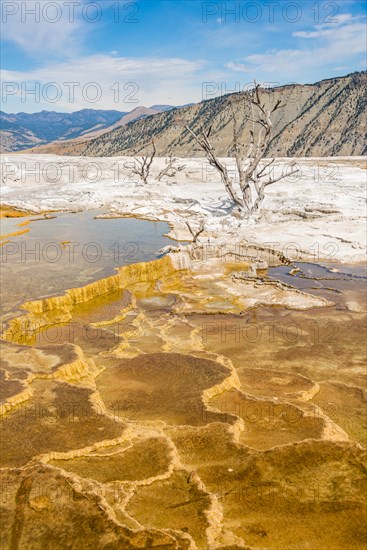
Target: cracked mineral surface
205	399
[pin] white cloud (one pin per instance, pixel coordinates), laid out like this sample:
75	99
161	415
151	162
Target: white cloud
239	67
339	19
140	81
330	27
47	28
311	34
342	45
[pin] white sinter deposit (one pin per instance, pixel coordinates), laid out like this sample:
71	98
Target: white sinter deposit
318	214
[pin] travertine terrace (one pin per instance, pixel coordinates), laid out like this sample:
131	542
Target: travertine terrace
197	400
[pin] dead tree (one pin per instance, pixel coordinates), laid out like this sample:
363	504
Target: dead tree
195	233
171	168
142	167
253	177
8	172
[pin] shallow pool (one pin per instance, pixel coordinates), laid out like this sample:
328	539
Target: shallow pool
70	250
343	284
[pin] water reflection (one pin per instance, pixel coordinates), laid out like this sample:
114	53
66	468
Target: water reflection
70	250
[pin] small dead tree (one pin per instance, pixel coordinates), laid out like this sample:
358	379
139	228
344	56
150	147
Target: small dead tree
8	171
171	168
196	233
142	166
252	176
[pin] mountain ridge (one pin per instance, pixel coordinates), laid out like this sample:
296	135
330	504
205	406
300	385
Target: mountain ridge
326	118
322	119
23	130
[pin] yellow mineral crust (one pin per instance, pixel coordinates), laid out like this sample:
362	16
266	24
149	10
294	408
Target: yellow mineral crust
58	309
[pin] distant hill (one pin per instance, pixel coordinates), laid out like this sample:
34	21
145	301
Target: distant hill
327	118
162	108
23	130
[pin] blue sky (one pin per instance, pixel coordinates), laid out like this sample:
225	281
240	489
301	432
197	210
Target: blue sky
110	54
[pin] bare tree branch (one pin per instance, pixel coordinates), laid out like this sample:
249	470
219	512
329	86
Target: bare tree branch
195	234
203	142
171	168
252	175
142	167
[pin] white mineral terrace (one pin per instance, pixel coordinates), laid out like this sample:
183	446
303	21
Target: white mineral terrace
319	214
